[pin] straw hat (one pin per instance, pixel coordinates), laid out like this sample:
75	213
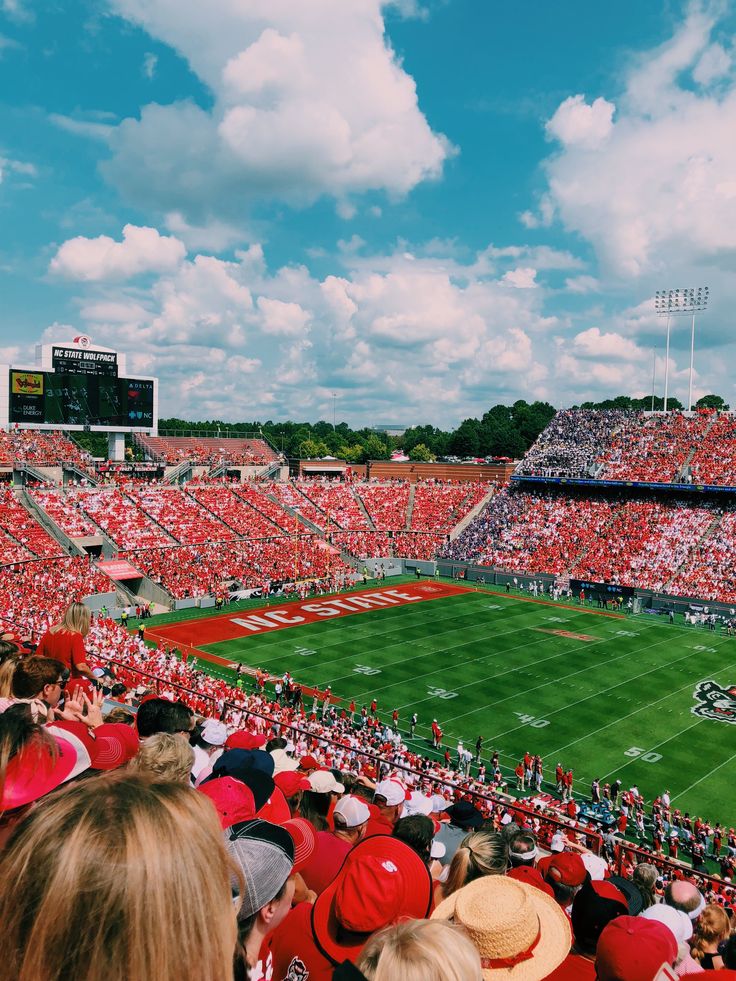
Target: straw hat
519	932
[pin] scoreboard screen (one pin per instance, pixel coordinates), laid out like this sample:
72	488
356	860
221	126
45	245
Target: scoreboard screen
83	398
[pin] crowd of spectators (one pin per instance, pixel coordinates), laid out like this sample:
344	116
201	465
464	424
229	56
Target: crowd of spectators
652	447
20	526
235	835
65	510
671	545
208	450
119	517
714	461
615	444
387	504
242	517
216	568
440	506
336	501
572	442
40	448
180	514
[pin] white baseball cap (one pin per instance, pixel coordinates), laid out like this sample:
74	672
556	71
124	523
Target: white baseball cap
677	921
392	791
214	732
282	762
417	804
437	849
352	810
439	803
323	782
596	866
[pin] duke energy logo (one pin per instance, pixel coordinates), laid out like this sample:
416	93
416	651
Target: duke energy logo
714	702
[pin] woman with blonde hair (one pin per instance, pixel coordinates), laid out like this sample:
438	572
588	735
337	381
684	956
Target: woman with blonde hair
420	950
122	877
8	660
480	853
167	756
65	641
712	928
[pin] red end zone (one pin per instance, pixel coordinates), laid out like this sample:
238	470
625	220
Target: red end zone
265	619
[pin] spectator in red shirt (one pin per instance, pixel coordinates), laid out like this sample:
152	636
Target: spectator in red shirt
350	819
381	882
385	810
65	641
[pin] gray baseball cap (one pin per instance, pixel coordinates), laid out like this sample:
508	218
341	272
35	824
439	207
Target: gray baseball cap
265	853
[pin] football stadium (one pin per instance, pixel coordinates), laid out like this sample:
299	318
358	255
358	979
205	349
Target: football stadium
367	512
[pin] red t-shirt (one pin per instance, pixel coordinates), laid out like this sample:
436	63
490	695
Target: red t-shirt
377	823
295	954
66	646
326	861
573	968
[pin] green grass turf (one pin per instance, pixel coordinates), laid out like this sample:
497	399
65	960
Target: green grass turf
479	664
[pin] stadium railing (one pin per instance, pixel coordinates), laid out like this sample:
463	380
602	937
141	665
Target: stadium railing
593	839
628	855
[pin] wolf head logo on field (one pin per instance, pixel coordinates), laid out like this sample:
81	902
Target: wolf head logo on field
715	702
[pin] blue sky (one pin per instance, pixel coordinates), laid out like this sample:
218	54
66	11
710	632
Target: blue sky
423	206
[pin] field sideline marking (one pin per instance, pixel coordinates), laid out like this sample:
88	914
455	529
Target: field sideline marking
708	774
541	602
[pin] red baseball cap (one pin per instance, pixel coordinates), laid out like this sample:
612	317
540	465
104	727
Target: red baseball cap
244	739
564	867
275	810
304	836
532	877
634	949
36	770
290	782
233	800
109	745
381	881
308	763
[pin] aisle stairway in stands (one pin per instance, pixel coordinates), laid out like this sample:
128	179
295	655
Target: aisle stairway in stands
473	513
684	472
715	523
410	506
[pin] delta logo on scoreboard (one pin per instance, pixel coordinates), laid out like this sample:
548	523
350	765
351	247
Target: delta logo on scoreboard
27	383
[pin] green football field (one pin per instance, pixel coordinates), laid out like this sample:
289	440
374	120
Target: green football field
614	700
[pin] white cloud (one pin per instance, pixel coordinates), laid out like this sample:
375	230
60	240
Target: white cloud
150	62
216	236
581	284
521	278
653	190
142	250
594	343
308	101
578	124
16	168
422	333
285	319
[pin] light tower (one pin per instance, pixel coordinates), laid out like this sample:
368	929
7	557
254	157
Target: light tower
680	302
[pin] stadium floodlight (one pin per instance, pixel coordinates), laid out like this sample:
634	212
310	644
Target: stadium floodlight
679	302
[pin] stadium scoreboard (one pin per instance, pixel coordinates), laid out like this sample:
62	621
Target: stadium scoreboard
78	386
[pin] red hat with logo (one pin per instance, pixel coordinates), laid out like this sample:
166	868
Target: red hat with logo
381	881
232	799
290	782
634	949
243	739
109	745
566	868
308	763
